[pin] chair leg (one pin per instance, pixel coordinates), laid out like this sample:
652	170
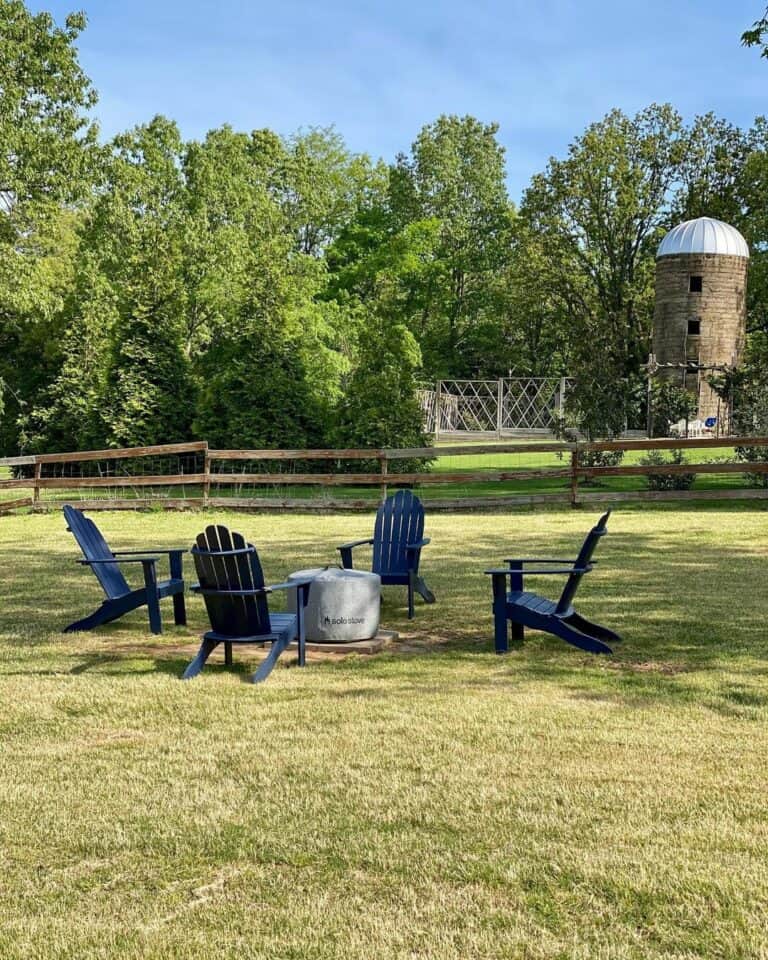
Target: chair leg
155	617
206	649
153	600
301	599
265	668
500	629
518	632
411	586
562	629
95	619
423	590
179	610
227	654
586	626
501	634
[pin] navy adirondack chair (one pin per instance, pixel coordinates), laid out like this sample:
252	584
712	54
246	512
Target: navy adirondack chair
232	585
120	597
523	609
398	537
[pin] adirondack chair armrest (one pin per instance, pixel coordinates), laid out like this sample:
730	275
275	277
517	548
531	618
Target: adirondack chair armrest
116	560
175	558
288	585
559	560
255	592
541	572
148	564
355	543
417	546
129	553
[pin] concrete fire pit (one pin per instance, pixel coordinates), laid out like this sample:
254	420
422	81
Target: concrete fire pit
343	605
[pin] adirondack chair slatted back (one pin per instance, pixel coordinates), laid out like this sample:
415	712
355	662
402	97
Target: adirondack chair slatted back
94	547
232	616
582	561
399	521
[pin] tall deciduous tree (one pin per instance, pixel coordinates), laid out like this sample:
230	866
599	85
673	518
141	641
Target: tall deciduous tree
442	231
455	178
47	158
712	171
598	215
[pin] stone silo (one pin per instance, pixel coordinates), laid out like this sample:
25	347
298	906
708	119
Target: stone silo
699	321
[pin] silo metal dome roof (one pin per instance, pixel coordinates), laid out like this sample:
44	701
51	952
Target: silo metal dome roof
703	235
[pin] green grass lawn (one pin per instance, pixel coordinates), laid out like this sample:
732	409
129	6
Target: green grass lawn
436	801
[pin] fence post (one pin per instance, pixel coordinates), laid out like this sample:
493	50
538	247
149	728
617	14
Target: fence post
561	400
575	477
36	490
384	471
207	477
499	407
438	393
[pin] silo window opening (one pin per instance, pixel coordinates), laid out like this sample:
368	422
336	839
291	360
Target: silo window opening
694	284
694	328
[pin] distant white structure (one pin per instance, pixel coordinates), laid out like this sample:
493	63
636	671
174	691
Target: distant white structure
704	235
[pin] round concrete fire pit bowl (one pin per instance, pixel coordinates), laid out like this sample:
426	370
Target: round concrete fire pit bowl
343	605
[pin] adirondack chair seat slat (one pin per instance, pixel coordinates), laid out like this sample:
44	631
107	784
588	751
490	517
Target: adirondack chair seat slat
398	539
524	608
280	625
536	603
120	597
231	582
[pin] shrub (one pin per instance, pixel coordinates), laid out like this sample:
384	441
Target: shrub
745	392
599	458
667	481
381	407
255	394
670	404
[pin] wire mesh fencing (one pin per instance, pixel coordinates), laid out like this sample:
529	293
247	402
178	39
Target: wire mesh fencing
447	476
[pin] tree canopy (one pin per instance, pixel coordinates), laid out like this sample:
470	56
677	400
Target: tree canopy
259	289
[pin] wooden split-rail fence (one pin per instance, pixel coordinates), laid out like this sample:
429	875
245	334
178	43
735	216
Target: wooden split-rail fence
127	478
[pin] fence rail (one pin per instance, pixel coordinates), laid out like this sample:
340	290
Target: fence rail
190	475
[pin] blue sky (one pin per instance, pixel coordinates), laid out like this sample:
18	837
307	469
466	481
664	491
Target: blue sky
379	71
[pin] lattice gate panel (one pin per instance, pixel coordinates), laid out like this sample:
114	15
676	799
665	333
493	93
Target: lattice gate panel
428	402
469	406
513	405
535	403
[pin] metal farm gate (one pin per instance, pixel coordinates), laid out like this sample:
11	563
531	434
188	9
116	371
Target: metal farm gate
512	406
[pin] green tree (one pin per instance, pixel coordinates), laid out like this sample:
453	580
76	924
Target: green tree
531	338
745	392
255	394
67	412
48	158
128	307
440	233
323	185
711	171
455	177
757	35
598	216
753	222
381	407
